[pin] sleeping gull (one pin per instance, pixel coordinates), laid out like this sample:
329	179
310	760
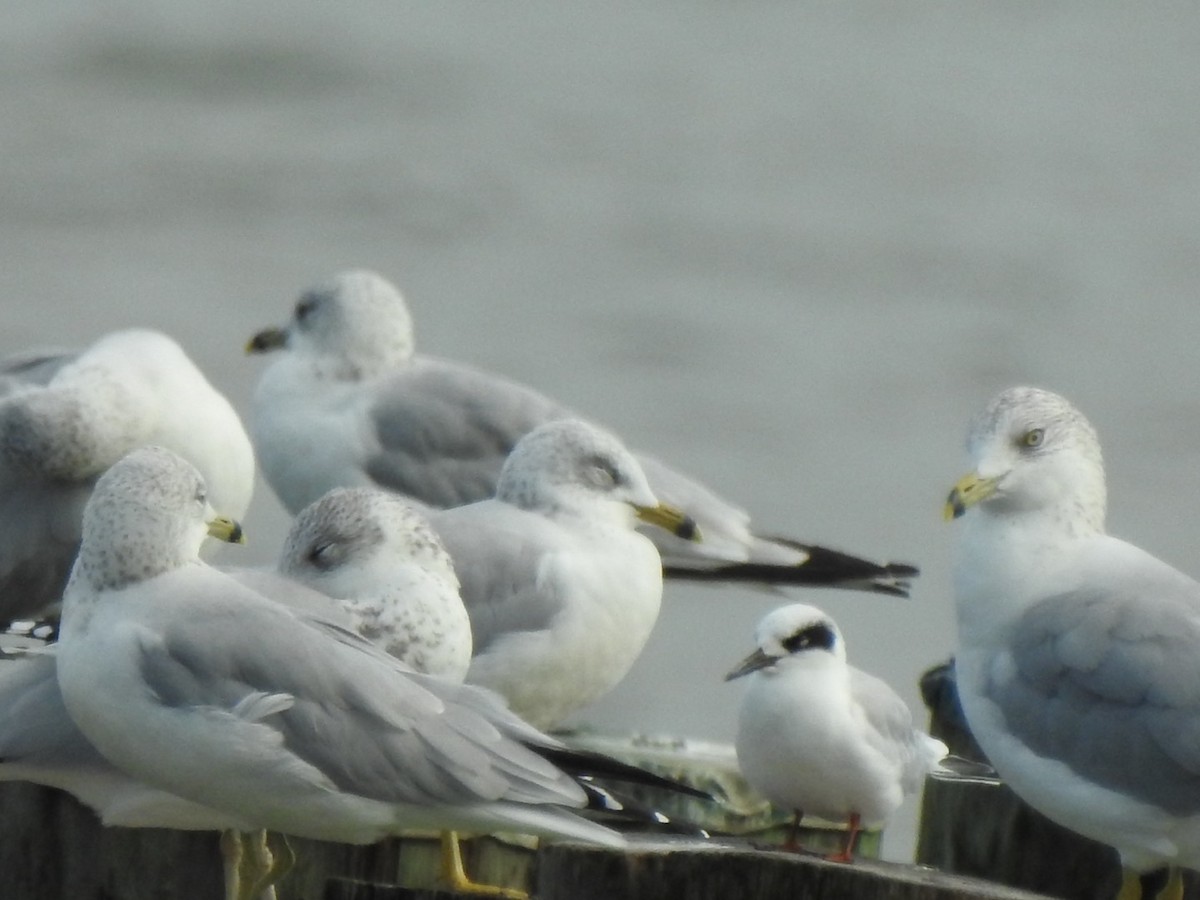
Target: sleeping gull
1078	654
194	683
65	418
818	736
350	403
384	569
561	589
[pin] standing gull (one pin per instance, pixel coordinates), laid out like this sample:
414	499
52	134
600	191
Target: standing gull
350	403
194	683
1078	654
818	736
561	589
65	418
381	572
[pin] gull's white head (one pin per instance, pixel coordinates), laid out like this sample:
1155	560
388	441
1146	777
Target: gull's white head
354	326
1034	452
147	515
571	466
353	539
793	635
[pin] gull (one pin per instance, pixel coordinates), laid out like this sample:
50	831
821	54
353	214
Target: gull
360	558
1078	654
561	590
66	417
378	561
817	736
349	403
193	683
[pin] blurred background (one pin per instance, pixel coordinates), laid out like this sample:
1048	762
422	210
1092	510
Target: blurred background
790	247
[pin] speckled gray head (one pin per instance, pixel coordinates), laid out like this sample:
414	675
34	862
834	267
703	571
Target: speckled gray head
380	559
569	458
1033	450
791	632
356	526
569	465
147	515
356	325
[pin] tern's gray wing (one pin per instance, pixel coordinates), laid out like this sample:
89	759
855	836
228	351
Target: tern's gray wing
498	555
891	730
1105	678
444	430
367	724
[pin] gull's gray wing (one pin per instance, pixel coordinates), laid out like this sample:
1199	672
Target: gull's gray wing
1105	678
39	522
444	430
35	727
498	554
32	367
52	448
369	725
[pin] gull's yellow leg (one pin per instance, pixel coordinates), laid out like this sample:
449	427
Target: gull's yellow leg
265	866
1173	890
456	878
255	862
231	856
280	858
1131	885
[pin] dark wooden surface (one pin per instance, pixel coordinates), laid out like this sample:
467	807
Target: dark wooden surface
683	869
53	849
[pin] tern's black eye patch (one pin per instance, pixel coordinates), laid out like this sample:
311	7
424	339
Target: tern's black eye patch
811	637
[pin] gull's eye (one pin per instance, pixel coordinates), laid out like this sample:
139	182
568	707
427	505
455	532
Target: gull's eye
325	556
201	496
305	307
1033	438
602	473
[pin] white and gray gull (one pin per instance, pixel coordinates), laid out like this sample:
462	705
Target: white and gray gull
66	417
349	402
1078	655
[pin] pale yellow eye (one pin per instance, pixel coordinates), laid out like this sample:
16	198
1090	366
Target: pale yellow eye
1033	438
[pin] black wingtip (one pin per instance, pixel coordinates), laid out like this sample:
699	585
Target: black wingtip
588	763
822	568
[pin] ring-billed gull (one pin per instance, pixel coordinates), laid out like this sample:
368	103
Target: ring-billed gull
381	571
350	403
192	682
818	736
561	589
1078	654
65	418
360	558
382	564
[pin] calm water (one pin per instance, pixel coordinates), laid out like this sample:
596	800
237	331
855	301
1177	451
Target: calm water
792	247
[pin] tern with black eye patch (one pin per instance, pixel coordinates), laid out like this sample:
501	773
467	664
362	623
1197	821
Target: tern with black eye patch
817	736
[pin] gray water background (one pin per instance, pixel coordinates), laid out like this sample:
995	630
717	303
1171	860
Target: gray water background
791	247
